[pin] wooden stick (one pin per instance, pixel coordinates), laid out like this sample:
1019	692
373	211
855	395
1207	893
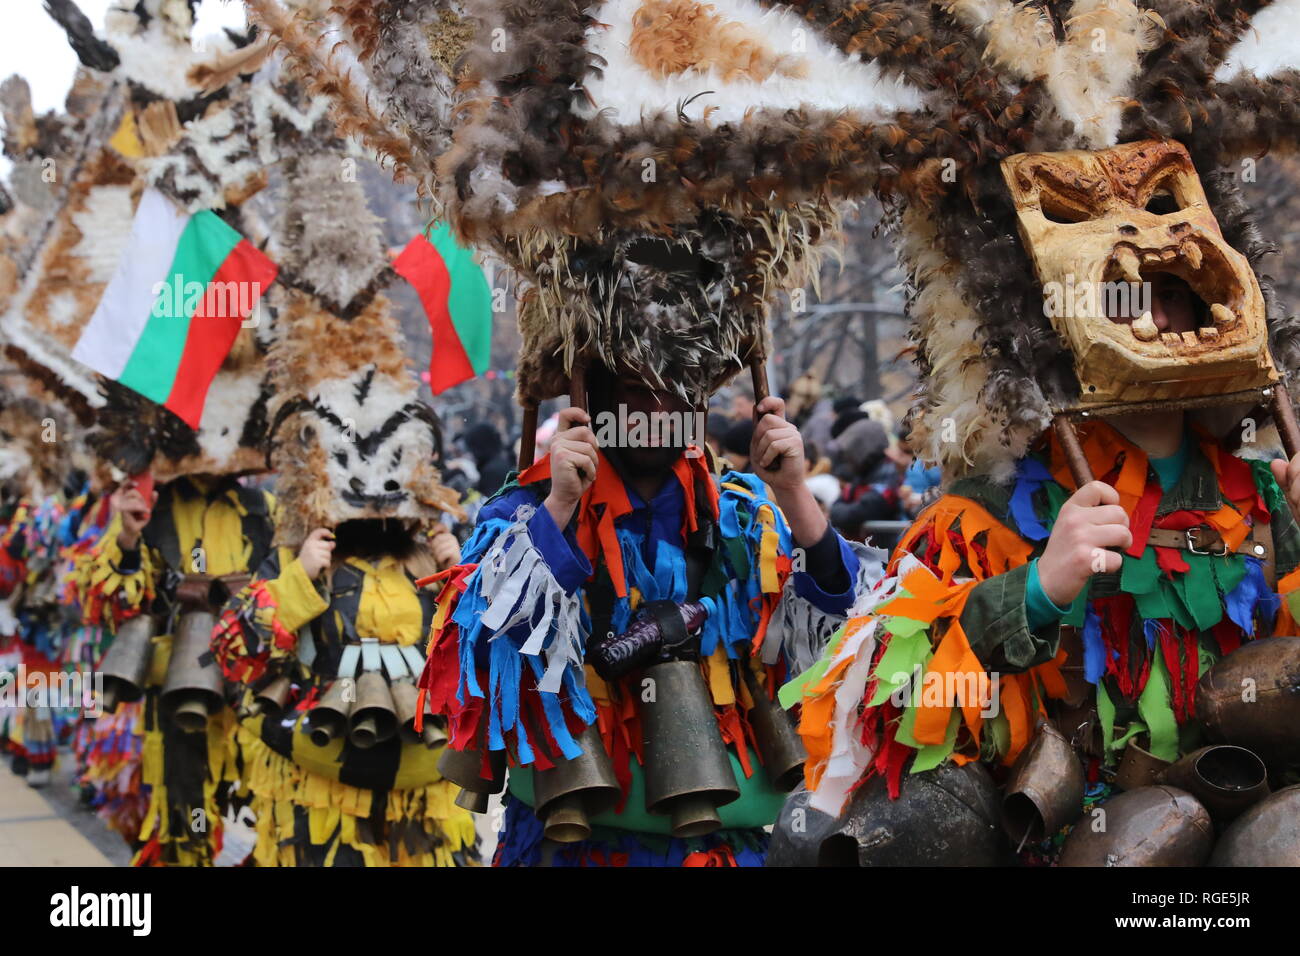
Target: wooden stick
758	372
578	387
578	395
1074	456
1284	418
528	439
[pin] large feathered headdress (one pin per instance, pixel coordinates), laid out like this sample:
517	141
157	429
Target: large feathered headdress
349	437
200	124
579	132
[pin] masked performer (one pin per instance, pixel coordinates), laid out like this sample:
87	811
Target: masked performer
327	640
1079	609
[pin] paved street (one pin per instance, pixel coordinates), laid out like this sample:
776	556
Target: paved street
48	827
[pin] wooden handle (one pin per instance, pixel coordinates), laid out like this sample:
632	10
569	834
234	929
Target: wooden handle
1284	418
578	395
528	440
1074	456
758	372
578	387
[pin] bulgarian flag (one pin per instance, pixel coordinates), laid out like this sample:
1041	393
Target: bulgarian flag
457	300
170	314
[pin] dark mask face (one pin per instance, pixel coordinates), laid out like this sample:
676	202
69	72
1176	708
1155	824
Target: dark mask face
643	429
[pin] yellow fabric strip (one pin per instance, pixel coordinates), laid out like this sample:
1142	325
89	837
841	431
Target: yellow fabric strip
297	600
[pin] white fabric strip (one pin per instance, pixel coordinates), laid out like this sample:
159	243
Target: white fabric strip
518	587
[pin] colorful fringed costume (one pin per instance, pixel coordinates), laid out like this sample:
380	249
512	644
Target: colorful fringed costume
356	452
335	805
908	685
212	526
507	654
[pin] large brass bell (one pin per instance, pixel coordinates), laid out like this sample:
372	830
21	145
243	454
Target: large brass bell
779	744
1264	835
1251	698
126	663
193	689
573	791
1147	826
273	698
464	768
406	701
373	719
1226	779
688	773
1045	791
328	720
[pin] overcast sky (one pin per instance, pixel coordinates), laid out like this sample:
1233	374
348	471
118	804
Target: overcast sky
34	46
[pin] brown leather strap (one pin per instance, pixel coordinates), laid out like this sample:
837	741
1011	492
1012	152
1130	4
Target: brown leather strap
1203	540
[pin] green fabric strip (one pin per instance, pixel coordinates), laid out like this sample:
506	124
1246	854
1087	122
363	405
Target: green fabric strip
792	691
1157	712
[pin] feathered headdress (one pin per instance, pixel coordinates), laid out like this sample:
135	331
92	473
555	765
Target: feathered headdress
349	436
149	110
581	129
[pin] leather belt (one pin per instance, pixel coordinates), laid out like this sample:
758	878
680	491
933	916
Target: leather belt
1205	540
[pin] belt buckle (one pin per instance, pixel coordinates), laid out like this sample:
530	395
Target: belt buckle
1218	552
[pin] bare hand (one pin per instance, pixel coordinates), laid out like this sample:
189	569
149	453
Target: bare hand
446	550
316	552
1088	524
128	502
775	438
573	464
1287	474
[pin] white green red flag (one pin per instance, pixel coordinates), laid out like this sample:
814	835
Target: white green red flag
170	314
457	300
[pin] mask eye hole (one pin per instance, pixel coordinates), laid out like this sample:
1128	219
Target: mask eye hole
1162	203
1057	210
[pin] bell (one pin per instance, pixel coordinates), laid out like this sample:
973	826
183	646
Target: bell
126	662
688	773
942	817
1147	826
1045	790
273	698
329	718
406	703
464	769
373	719
1138	767
573	791
1264	835
1226	779
779	744
435	727
193	689
1251	698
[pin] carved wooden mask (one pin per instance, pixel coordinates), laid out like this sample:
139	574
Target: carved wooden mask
1107	228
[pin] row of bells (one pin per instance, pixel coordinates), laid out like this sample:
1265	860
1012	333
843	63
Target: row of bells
1215	805
687	770
368	710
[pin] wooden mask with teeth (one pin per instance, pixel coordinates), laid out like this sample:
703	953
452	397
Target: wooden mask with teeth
1108	232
